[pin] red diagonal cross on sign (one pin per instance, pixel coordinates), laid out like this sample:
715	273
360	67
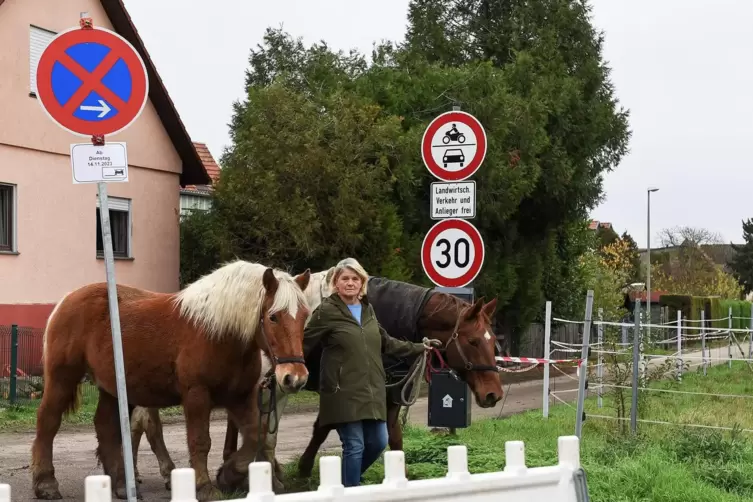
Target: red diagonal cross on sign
90	81
120	52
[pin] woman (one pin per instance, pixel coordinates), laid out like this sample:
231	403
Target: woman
352	392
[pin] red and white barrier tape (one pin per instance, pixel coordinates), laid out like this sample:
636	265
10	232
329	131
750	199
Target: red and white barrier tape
535	360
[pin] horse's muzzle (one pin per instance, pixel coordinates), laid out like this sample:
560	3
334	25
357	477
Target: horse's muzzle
292	377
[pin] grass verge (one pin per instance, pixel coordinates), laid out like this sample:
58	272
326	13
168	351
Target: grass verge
662	464
22	417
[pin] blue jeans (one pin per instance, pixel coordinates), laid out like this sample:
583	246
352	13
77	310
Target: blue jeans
363	442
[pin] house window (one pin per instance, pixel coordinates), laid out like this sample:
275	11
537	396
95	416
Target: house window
39	39
120	228
7	217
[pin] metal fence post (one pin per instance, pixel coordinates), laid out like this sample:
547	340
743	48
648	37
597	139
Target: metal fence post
599	360
547	355
636	362
584	363
729	339
750	334
679	346
703	343
13	394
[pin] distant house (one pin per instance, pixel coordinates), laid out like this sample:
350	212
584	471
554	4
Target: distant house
595	225
198	197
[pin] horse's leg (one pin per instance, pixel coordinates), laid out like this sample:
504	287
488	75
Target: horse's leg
157	442
319	436
231	439
270	445
394	429
234	471
61	395
107	428
197	407
139	420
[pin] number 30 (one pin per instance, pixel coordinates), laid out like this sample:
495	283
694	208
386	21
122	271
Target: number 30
456	253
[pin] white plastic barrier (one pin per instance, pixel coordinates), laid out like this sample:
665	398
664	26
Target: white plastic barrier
559	483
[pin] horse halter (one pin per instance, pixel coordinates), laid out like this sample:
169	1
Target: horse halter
468	365
276	360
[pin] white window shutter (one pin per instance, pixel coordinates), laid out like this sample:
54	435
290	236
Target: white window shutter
117	204
39	39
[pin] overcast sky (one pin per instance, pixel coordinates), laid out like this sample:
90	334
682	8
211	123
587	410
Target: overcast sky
684	69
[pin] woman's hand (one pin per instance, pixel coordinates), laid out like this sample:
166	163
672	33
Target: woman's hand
429	344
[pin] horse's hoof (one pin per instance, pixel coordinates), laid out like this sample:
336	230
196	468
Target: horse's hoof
47	490
305	468
207	493
229	479
277	485
121	493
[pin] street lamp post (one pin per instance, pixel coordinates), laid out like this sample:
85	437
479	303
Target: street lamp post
648	261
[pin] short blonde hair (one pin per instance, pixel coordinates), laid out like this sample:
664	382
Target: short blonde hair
352	264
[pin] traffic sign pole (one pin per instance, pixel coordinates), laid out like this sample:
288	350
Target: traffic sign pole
117	342
98	140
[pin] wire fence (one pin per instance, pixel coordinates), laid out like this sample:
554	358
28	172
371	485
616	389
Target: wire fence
21	376
629	357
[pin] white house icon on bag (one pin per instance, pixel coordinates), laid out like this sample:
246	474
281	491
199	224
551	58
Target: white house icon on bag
447	401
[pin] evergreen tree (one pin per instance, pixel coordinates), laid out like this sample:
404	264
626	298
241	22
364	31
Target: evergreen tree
742	262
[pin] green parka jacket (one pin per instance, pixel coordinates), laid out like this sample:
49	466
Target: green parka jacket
351	378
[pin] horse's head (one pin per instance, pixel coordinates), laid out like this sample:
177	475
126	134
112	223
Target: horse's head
283	317
470	345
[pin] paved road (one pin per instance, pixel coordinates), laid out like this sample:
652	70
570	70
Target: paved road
74	450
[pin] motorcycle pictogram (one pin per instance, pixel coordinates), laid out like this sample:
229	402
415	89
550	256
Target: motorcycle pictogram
453	135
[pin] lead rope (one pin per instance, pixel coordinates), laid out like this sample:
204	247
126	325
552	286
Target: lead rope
416	371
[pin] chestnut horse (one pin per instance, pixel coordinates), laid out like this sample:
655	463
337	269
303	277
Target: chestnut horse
463	328
199	348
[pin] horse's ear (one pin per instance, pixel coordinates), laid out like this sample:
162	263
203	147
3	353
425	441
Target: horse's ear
490	307
329	275
303	279
270	281
475	309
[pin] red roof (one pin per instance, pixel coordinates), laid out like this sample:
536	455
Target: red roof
655	296
211	167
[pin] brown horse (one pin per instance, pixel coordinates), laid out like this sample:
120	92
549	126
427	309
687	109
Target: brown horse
197	348
407	311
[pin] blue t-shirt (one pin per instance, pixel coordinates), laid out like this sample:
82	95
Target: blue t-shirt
356	311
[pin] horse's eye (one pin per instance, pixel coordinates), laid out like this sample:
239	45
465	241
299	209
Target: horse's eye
273	318
474	342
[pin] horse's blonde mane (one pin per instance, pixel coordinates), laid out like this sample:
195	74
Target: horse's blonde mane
228	301
317	289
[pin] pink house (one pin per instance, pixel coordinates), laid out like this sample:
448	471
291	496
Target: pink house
49	228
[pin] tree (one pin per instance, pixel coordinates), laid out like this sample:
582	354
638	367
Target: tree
742	261
687	269
200	245
532	72
635	273
688	236
325	158
309	176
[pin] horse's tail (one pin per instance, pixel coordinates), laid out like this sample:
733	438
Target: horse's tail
74	399
47	325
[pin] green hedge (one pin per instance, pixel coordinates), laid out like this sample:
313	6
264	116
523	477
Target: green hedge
740	309
713	308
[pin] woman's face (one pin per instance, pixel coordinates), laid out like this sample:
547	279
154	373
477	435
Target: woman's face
348	284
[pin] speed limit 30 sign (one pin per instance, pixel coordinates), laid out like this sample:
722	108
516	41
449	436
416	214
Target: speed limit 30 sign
452	253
